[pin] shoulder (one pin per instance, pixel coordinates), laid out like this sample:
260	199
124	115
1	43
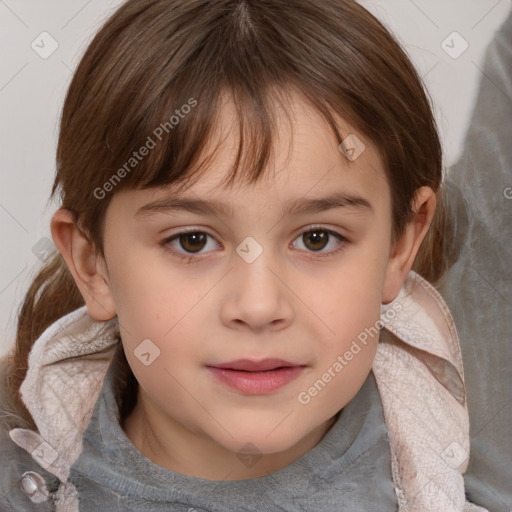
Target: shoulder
15	462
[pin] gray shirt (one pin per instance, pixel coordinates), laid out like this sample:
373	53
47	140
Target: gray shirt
348	470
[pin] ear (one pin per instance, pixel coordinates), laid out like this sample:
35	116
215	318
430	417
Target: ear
89	269
407	246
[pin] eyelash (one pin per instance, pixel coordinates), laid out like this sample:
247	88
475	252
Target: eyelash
189	257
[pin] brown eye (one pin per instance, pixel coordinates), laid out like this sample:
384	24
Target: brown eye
315	240
191	245
319	240
193	242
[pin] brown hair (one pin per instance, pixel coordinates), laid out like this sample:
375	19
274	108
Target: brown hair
153	57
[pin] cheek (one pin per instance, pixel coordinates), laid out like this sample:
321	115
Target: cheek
349	299
145	294
344	360
157	324
165	357
349	307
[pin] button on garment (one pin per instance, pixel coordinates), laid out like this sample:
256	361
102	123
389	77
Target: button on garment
34	486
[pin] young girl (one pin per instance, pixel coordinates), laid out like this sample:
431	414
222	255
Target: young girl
231	321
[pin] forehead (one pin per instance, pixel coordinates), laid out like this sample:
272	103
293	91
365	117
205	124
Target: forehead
306	162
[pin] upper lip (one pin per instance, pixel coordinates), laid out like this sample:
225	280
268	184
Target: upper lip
250	365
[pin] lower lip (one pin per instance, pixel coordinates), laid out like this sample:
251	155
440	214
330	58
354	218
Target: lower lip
257	383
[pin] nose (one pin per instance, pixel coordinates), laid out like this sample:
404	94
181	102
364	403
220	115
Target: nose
257	297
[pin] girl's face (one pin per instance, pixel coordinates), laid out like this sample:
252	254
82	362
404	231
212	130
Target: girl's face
284	273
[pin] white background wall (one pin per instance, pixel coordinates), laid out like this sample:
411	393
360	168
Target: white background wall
32	90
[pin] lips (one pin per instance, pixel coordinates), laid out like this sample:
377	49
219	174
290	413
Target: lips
256	377
249	365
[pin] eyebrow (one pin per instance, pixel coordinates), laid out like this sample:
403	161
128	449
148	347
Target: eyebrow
294	207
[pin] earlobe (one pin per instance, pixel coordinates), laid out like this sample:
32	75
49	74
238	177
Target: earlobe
407	246
87	267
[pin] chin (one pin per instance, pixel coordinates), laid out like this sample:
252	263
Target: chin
258	438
